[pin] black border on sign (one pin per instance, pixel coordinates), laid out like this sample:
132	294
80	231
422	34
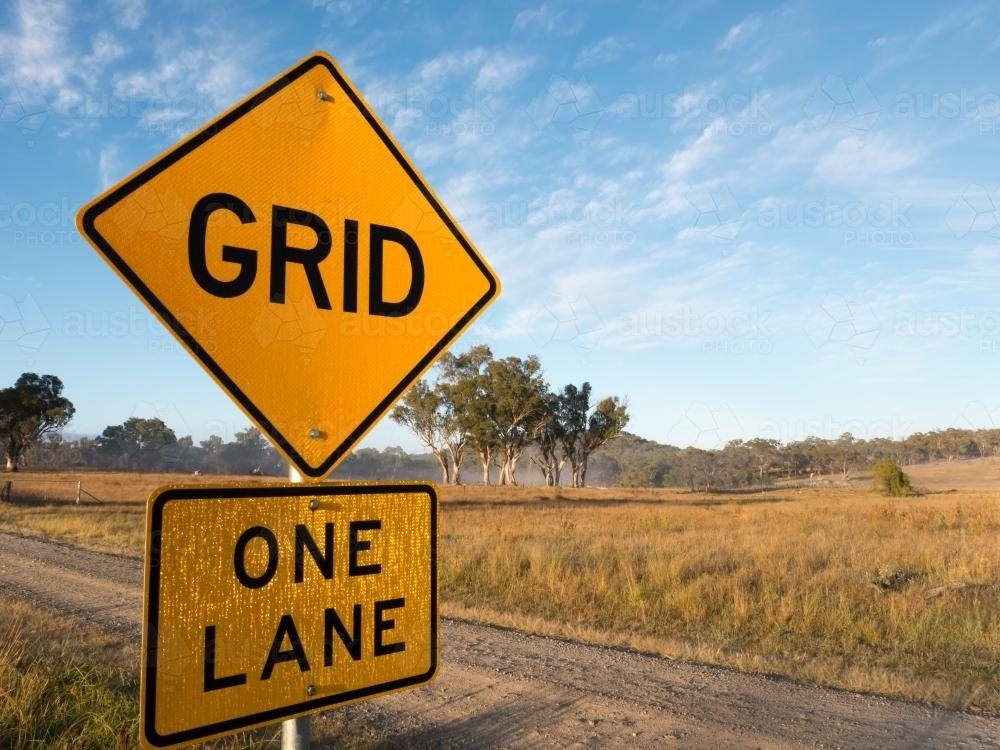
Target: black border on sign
207	133
277	714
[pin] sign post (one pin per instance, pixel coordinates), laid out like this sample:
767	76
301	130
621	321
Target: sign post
295	733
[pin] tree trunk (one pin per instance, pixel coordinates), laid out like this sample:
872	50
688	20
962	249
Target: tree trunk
545	466
577	464
515	457
486	459
511	455
443	460
457	456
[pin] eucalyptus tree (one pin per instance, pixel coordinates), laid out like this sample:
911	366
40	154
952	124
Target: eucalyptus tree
463	385
30	409
585	428
606	421
422	411
549	432
515	391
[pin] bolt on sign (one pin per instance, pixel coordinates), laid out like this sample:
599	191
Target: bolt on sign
265	602
296	252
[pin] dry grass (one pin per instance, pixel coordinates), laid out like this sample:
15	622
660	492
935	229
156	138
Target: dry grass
116	525
779	583
119	486
62	686
982	473
67	687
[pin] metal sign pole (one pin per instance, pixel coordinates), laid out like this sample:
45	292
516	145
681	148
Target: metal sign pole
295	732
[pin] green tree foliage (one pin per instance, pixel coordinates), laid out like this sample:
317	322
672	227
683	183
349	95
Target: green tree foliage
249	453
889	479
140	443
549	433
463	385
30	409
423	411
516	392
503	410
585	427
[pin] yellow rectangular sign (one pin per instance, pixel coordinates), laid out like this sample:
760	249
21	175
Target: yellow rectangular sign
265	602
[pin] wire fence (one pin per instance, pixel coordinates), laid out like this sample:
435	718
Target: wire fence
46	490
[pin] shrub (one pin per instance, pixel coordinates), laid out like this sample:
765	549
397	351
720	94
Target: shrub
889	479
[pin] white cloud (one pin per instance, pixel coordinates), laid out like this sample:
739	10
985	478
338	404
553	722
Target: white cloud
104	49
348	12
694	153
189	84
450	64
109	165
36	52
608	49
129	13
36	55
863	162
548	18
956	19
492	68
503	69
739	32
457	88
900	49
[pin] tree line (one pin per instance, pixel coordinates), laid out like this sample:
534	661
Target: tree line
762	461
498	409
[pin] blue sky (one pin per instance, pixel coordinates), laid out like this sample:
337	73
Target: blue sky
774	220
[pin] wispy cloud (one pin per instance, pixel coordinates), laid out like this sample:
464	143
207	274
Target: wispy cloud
129	13
347	12
105	49
902	48
740	32
694	153
474	78
109	166
495	68
189	83
36	52
503	69
608	49
864	163
548	18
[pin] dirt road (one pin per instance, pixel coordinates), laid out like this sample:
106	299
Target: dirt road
505	689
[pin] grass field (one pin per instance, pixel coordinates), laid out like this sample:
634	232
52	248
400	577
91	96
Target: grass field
838	587
67	687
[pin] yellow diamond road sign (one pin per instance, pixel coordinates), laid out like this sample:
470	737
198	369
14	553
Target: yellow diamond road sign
265	602
297	253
